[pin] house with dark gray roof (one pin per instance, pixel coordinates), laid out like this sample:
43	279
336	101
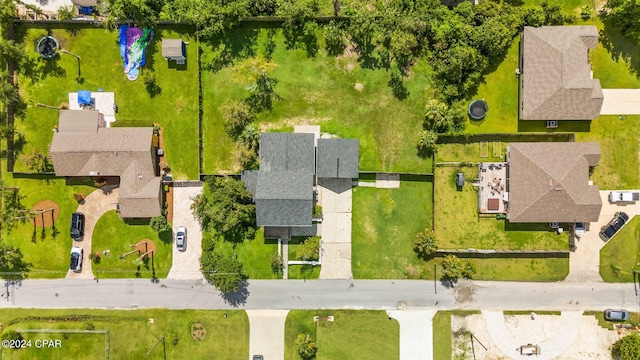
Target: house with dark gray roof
555	77
82	147
549	182
290	165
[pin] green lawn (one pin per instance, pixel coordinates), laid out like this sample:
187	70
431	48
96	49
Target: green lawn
319	90
113	234
253	254
569	7
300	271
385	223
521	269
620	256
132	334
47	251
349	336
458	225
442	335
174	106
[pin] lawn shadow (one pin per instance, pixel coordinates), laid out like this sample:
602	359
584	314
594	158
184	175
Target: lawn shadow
565	126
166	236
239	43
619	47
237	298
509	226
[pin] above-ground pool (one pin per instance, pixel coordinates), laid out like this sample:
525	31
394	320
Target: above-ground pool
478	109
48	46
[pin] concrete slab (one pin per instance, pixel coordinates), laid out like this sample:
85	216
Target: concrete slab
336	198
387	181
336	261
49	5
584	263
416	333
266	333
186	264
620	102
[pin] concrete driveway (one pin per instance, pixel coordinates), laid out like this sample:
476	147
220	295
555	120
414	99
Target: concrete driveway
335	196
584	263
266	333
620	102
93	207
416	333
186	264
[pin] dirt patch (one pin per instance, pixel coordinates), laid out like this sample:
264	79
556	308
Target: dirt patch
359	86
50	211
198	331
291	122
464	291
146	245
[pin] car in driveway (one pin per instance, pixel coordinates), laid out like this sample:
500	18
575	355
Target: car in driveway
258	357
609	230
76	259
616	315
181	238
77	226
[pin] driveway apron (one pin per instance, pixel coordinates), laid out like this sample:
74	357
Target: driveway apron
266	333
416	333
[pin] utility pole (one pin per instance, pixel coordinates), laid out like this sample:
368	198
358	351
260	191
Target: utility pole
435	281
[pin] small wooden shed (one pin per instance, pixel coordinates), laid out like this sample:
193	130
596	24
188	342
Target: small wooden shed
174	50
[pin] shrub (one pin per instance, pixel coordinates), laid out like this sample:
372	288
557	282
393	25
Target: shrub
425	243
310	249
276	263
159	224
307	349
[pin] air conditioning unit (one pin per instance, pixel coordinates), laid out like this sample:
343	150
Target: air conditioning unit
160	152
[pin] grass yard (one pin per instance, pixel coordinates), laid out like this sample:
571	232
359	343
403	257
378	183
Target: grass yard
442	335
318	90
254	255
300	271
131	333
385	223
113	234
47	250
568	7
458	225
521	269
349	336
173	103
620	256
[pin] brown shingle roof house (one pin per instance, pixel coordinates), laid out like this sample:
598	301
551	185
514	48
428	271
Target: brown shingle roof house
555	81
80	147
549	182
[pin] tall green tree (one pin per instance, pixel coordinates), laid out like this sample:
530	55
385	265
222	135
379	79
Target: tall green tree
222	271
12	263
236	115
227	208
625	15
13	210
144	12
627	348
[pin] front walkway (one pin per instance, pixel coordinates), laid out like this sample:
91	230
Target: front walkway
336	199
584	263
416	333
186	264
266	333
620	102
553	342
93	207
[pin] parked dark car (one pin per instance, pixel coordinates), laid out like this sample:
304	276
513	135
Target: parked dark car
609	230
77	226
616	315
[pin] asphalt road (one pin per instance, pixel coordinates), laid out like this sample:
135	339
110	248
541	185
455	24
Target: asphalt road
314	294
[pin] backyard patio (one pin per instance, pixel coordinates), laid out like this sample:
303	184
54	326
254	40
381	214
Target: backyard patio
493	195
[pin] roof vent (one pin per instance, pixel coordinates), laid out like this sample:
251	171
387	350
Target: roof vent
557	188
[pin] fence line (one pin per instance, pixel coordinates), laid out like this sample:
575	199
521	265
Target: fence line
502	254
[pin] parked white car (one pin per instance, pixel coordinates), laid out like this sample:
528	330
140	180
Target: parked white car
624	196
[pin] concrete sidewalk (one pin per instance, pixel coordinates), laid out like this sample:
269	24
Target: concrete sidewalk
266	333
620	102
416	333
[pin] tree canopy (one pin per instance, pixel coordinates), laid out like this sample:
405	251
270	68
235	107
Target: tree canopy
627	348
222	271
625	14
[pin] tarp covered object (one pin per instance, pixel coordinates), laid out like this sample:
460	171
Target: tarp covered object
84	97
133	42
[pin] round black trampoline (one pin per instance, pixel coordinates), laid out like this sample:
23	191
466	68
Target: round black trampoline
48	46
478	109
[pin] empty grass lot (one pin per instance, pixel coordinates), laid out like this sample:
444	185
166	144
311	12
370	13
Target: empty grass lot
46	251
253	254
620	256
385	223
350	336
132	334
318	90
113	234
173	104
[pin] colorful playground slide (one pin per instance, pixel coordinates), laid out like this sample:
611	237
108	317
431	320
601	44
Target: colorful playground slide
133	42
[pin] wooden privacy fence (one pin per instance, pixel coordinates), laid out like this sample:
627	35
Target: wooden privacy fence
502	254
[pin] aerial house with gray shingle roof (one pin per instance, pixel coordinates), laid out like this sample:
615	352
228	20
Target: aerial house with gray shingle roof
555	77
82	147
549	182
290	165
